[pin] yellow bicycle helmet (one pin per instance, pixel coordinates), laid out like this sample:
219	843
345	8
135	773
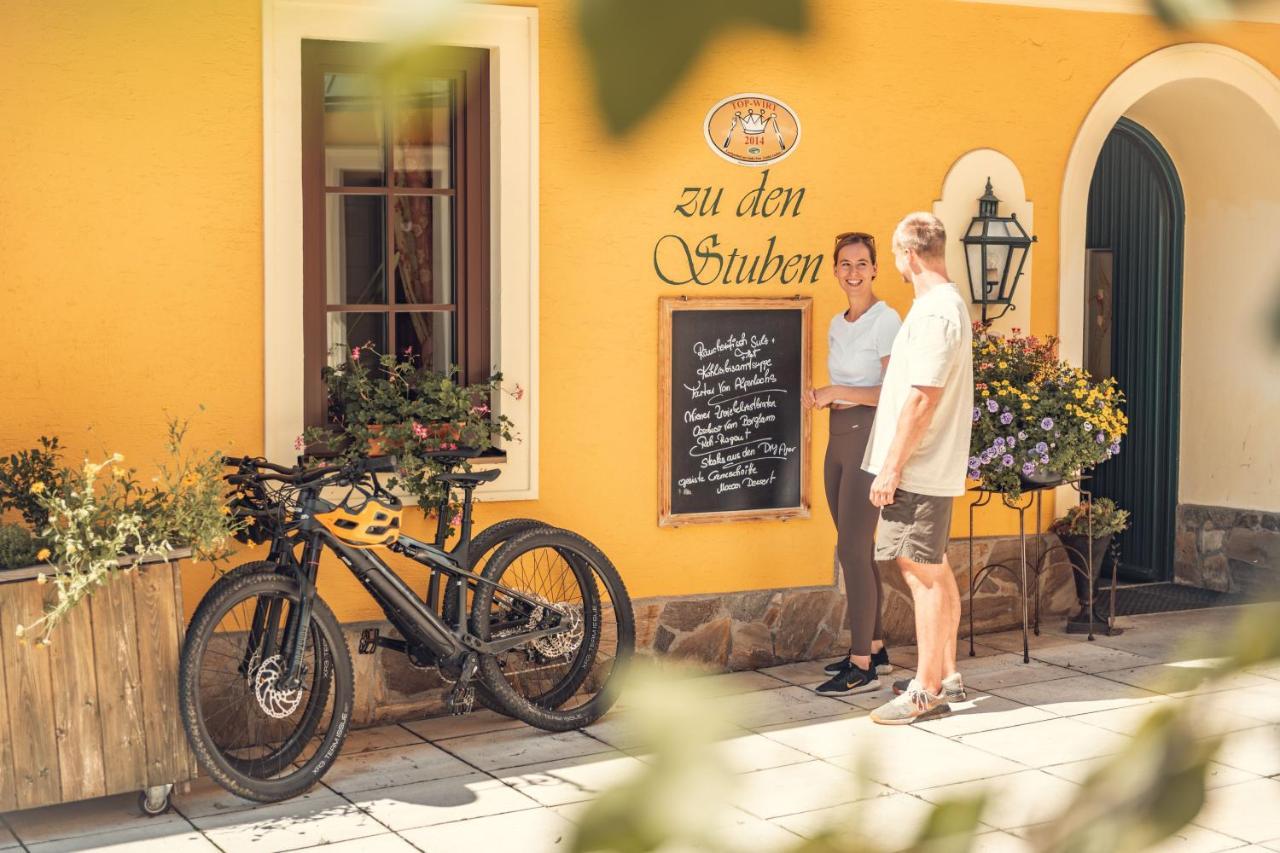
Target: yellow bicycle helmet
374	522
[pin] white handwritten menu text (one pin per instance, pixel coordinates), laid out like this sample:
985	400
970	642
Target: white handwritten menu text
736	426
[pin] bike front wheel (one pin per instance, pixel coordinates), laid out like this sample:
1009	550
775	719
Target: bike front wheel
560	681
256	736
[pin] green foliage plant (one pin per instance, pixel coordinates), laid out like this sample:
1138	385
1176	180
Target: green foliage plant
379	403
27	473
1107	519
17	547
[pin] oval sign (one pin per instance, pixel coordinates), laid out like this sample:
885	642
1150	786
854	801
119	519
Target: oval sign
752	129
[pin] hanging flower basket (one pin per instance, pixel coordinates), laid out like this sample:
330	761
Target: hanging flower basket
1037	421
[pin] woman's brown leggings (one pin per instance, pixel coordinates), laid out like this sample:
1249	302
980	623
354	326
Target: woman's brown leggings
849	497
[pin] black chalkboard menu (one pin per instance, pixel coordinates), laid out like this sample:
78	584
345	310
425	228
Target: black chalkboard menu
734	437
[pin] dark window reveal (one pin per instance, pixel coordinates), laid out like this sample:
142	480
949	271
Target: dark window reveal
395	209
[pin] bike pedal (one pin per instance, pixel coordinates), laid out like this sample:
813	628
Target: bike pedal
368	641
461	700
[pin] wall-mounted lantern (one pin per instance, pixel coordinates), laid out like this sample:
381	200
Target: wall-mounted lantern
995	248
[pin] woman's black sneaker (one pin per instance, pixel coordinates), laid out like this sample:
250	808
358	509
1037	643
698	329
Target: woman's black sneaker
879	662
837	667
852	679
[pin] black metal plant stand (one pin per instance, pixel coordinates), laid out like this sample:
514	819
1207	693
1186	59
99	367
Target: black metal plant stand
1023	571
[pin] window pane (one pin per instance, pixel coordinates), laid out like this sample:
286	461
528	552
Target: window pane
355	242
353	146
350	329
423	133
424	249
426	338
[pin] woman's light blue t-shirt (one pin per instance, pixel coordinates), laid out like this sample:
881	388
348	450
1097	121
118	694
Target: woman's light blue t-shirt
855	349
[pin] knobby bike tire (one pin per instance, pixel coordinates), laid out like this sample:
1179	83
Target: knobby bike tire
340	678
292	746
482	544
491	673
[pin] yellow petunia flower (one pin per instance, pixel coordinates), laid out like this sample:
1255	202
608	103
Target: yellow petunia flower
42	554
37	487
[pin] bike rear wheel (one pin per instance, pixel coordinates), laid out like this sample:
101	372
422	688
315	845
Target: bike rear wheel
251	734
563	681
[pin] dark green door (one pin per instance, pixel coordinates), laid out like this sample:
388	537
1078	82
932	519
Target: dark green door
1133	321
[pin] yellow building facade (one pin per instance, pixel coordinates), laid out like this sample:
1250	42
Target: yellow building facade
151	238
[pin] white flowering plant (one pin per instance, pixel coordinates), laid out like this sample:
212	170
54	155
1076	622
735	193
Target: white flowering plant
101	513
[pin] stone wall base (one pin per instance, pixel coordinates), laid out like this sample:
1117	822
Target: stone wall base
743	630
1229	550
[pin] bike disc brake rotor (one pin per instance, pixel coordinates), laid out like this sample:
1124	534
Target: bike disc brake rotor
273	701
568	641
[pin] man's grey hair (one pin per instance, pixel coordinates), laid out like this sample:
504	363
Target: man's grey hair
922	233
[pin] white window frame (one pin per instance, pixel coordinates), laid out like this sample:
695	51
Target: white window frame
511	36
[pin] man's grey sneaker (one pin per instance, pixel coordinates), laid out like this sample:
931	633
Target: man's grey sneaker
851	679
915	703
952	688
879	662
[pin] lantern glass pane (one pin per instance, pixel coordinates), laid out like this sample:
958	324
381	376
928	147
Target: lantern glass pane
996	272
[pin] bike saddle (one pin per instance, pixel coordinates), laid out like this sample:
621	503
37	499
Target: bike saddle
470	478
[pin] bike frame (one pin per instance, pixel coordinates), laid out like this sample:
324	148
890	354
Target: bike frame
415	618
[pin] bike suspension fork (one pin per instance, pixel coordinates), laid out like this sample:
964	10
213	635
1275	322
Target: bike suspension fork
266	618
298	624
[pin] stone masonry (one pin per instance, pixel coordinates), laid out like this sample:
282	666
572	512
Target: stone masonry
1229	550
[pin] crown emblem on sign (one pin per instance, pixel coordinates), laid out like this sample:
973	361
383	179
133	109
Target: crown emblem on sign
754	124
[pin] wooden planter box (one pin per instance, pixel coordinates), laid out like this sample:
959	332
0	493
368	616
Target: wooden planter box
95	712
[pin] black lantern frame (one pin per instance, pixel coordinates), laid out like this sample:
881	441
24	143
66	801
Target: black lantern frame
994	246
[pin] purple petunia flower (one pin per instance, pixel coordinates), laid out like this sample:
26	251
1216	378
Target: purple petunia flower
976	414
1010	441
1006	418
1101	439
998	445
992	406
1044	460
975	474
1088	427
1042	448
1046	424
1114	448
1029	468
1022	436
973	462
1006	461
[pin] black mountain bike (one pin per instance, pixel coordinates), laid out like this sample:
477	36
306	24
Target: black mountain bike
530	620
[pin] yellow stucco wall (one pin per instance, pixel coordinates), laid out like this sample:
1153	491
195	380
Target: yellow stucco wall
131	228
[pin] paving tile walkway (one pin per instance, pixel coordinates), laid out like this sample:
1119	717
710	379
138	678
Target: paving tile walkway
1029	734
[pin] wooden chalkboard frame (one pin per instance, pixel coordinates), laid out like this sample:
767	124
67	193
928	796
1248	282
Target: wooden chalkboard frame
667	306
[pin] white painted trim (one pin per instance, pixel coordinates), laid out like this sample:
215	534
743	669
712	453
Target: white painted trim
1171	64
511	34
956	206
1260	12
1193	61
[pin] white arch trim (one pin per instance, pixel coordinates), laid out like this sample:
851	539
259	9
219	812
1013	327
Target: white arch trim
1268	12
1194	61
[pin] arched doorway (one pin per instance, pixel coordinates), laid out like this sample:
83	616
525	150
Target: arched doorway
1215	112
1133	314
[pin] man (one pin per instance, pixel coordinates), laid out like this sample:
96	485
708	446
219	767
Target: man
918	452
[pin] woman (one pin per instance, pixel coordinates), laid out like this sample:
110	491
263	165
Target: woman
859	342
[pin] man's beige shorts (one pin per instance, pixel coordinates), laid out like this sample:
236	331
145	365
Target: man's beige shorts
914	526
